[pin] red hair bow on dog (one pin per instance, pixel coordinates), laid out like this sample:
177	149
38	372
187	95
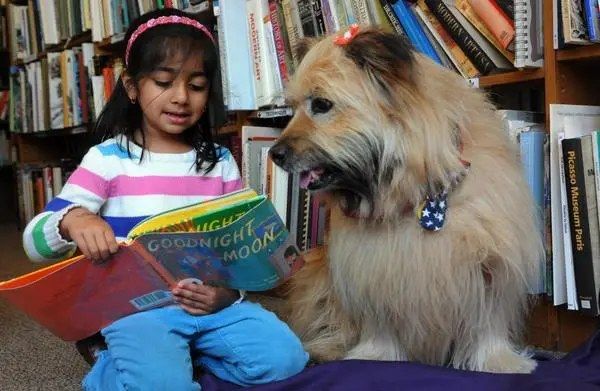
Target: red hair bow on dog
345	38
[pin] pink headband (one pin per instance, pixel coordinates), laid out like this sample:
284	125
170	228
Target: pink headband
173	19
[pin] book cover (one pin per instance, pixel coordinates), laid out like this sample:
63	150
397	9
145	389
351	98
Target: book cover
577	159
236	241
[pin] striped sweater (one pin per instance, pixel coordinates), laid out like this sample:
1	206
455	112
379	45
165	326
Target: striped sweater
124	191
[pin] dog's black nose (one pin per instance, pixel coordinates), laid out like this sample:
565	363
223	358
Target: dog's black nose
279	153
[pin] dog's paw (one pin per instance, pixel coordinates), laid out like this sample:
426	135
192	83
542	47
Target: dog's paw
373	351
507	361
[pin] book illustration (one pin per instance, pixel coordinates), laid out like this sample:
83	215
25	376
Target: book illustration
238	241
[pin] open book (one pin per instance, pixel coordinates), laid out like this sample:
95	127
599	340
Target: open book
236	241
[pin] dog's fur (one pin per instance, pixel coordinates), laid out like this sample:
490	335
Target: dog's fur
387	289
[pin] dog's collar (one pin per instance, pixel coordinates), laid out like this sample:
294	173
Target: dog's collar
431	213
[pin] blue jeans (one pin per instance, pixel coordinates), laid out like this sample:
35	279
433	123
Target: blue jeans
243	344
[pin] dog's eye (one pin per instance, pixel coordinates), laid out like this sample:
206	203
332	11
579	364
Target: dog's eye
320	105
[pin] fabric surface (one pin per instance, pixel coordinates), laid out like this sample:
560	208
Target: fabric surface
579	370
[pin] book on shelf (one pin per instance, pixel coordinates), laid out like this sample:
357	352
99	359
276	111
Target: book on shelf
465	8
235	56
413	29
574	29
582	205
529	34
567	119
237	241
592	19
498	23
532	147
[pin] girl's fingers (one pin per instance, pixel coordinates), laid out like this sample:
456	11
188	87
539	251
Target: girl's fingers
113	246
103	246
194	311
81	244
92	247
193	304
188	294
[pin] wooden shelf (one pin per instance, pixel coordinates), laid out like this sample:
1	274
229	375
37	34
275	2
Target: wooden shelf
591	52
517	76
56	132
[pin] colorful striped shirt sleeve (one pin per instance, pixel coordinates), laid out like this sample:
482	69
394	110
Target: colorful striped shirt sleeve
87	187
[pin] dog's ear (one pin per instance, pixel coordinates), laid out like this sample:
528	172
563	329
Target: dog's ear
386	57
303	46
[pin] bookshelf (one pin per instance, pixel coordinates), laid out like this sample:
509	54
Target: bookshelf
569	76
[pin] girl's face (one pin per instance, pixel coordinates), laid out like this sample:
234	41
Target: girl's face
173	97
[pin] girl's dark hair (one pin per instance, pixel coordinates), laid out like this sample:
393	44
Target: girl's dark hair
149	51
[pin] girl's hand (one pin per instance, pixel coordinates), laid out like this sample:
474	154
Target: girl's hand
198	299
92	235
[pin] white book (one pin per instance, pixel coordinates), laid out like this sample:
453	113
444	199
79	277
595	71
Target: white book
558	114
49	21
239	90
249	132
41	110
57	180
273	63
98	92
280	191
55	91
97	20
258	24
529	34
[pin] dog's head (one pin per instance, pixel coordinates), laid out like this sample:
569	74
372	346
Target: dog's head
367	128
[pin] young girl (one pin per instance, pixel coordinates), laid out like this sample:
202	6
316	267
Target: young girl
160	156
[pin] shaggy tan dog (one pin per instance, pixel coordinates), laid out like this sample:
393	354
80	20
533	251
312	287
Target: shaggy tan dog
378	129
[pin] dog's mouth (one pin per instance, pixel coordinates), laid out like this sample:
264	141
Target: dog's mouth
316	178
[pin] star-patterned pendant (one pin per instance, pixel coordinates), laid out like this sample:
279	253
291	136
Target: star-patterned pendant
432	213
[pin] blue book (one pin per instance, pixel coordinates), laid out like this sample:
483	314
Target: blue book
531	145
590	9
413	29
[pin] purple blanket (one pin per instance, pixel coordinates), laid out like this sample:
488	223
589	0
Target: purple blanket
579	370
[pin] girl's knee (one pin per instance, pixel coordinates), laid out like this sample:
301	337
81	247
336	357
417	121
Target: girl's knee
283	357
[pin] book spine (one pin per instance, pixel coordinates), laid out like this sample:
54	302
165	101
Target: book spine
572	302
531	144
454	52
413	29
496	21
331	25
279	41
579	222
318	15
393	18
592	19
481	60
307	20
361	12
468	12
293	25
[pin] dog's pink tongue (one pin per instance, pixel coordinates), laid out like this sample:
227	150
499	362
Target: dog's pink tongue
306	177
